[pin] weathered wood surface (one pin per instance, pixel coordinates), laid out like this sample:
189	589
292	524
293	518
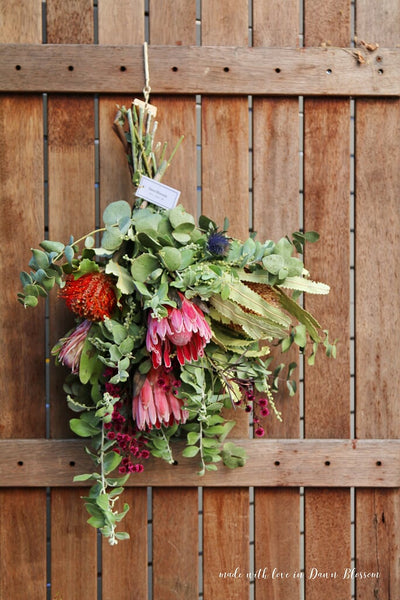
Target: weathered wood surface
377	308
175	511
22	362
309	462
224	192
71	209
327	385
209	69
275	189
122	21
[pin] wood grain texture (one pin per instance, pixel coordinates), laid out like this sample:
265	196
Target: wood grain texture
275	23
327	23
124	567
121	23
226	543
71	211
21	23
326	192
225	184
175	543
209	70
23	543
22	214
377	542
326	210
327	545
377	307
71	173
22	397
277	536
73	547
286	462
175	511
276	173
276	214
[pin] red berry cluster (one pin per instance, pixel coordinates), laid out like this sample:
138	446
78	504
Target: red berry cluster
128	442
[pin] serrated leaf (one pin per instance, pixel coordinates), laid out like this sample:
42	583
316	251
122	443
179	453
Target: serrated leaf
255	326
300	314
243	295
305	285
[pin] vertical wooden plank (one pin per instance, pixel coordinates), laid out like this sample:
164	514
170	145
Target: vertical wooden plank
22	398
225	193
226	543
73	551
377	306
131	555
175	511
121	23
71	211
175	543
275	214
173	22
326	210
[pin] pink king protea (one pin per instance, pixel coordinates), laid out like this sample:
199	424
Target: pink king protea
69	349
156	403
185	327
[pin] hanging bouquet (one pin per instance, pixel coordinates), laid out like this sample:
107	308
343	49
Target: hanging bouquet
169	320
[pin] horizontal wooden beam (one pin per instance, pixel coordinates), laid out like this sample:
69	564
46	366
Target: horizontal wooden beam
89	68
271	463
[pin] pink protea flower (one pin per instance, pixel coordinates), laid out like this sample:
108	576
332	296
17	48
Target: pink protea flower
156	403
69	349
185	328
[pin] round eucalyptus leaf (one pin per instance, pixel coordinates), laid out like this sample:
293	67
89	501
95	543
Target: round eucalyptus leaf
171	258
143	266
116	211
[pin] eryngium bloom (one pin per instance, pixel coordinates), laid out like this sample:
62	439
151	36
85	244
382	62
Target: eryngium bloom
91	296
69	349
217	243
156	403
185	328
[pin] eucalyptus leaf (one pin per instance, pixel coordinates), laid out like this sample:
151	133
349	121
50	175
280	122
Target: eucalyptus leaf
116	211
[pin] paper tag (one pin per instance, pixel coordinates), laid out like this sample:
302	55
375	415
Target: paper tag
157	193
149	108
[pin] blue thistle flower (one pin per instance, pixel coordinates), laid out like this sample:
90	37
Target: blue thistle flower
217	243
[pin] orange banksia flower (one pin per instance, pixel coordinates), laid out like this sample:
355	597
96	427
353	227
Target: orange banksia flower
91	296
